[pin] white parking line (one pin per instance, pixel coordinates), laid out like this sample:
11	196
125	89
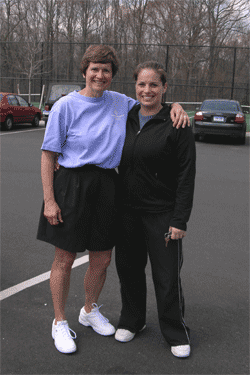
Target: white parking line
36	280
21	131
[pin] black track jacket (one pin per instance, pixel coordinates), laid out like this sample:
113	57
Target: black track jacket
157	168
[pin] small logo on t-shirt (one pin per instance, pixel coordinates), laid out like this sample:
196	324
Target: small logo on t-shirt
116	115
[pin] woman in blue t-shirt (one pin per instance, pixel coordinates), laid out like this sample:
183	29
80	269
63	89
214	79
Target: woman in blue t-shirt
87	130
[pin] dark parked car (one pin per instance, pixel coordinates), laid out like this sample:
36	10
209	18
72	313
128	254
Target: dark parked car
56	91
15	109
220	117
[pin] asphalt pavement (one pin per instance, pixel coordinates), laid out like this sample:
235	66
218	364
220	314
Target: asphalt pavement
215	275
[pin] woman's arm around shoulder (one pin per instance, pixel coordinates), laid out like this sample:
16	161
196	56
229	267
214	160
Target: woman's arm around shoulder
179	116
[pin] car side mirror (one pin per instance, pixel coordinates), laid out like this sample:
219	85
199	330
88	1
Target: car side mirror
31	105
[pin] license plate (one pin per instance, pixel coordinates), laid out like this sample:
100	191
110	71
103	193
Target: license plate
46	112
219	119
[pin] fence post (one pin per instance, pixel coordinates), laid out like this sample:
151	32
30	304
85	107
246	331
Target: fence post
167	58
166	68
41	81
41	99
234	64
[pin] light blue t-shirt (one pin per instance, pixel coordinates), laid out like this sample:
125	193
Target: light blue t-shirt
88	130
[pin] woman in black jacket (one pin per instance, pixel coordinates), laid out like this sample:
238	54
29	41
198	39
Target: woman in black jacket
157	174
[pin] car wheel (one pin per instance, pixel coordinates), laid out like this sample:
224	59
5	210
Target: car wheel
36	120
8	123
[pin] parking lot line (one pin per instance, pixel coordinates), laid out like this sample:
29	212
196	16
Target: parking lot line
21	131
36	280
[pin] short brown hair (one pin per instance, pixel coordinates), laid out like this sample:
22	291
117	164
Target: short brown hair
154	65
101	54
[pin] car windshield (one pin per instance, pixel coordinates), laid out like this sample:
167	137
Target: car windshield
221	106
60	90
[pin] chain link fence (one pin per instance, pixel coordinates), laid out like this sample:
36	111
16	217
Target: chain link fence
194	73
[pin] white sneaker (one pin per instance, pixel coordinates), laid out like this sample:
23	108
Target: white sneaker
124	335
181	351
97	321
62	338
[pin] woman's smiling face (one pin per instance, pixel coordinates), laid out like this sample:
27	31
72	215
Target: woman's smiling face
98	78
149	89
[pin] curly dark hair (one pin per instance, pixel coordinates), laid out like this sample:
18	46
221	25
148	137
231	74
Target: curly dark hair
102	54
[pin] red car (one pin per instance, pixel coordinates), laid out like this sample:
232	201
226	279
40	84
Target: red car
15	109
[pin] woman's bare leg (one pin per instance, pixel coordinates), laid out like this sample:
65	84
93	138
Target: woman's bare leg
60	281
95	276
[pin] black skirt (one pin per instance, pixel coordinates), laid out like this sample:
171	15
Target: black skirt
87	199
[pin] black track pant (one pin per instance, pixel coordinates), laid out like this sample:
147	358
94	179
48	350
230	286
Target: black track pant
142	234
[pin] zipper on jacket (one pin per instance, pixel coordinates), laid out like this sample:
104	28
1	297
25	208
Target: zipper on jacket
135	140
136	135
139	132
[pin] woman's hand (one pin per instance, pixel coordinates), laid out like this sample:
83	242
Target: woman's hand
177	234
179	116
52	213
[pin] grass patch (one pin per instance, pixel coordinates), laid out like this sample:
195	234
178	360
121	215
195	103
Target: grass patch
248	121
36	104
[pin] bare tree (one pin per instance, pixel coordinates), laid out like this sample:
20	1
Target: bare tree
12	16
137	21
28	62
49	12
90	20
52	36
224	18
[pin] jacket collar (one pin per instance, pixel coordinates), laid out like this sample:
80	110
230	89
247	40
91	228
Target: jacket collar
164	112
